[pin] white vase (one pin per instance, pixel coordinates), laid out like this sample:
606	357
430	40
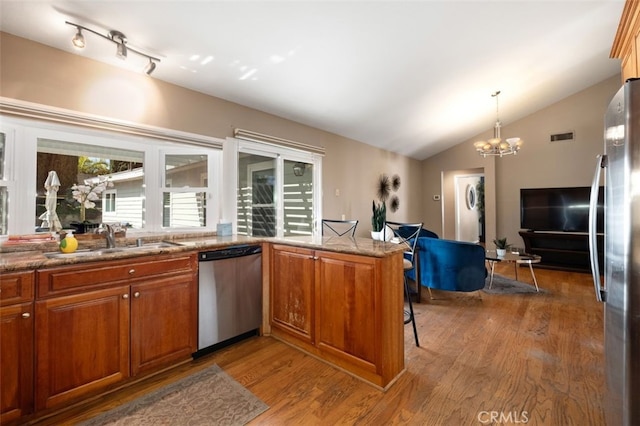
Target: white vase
381	235
501	252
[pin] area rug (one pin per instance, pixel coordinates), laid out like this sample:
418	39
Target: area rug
208	397
504	285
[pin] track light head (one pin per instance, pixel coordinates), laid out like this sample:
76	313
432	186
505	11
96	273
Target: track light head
78	40
120	39
150	68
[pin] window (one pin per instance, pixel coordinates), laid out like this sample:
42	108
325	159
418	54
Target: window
133	167
109	202
276	193
85	171
185	191
4	186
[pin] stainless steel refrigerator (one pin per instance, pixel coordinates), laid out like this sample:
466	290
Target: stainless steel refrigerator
620	291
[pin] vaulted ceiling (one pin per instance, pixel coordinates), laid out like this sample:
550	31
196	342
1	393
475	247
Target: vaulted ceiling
413	77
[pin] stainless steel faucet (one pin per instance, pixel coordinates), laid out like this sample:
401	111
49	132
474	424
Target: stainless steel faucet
110	235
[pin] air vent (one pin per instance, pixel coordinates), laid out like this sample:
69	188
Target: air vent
559	137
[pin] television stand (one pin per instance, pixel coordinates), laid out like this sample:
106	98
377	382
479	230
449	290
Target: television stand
568	251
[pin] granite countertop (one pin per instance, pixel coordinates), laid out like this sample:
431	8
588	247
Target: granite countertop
34	256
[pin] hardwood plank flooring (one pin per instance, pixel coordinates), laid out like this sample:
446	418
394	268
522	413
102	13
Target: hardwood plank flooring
534	359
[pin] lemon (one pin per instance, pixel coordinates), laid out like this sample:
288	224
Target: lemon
69	244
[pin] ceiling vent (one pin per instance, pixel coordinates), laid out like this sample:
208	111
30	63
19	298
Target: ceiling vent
560	137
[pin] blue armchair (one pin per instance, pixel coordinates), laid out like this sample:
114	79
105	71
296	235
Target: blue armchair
449	265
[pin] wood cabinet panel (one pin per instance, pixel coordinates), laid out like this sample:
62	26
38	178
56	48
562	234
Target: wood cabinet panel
83	344
16	361
159	335
293	273
346	306
88	276
16	287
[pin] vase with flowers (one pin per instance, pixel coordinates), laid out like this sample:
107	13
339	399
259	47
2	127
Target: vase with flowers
86	195
379	209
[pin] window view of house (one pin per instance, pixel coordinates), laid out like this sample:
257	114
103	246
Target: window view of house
185	186
85	173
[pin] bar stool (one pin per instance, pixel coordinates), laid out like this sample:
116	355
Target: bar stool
339	227
407	234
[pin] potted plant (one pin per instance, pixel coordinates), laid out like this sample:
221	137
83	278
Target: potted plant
501	246
379	216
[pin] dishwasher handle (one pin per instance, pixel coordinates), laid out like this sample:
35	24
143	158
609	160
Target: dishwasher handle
229	252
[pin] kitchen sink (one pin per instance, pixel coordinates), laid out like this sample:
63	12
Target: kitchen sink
155	245
101	251
84	253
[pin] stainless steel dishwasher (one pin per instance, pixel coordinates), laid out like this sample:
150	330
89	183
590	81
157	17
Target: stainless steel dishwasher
230	296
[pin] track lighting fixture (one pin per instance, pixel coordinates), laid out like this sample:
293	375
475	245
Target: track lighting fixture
78	39
119	39
151	66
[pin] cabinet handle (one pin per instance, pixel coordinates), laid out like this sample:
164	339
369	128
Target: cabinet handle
125	296
132	271
26	315
136	294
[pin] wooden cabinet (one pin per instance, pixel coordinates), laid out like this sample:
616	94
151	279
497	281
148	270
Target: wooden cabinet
626	44
163	321
16	345
347	291
347	309
292	307
100	323
83	344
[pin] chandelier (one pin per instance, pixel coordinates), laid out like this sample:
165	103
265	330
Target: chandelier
495	146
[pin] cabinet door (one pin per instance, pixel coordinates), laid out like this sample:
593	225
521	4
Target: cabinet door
347	304
16	368
164	321
292	276
83	344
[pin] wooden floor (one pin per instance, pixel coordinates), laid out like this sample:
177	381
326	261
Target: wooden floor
534	359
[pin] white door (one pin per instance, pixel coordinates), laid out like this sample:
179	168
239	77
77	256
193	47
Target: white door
468	226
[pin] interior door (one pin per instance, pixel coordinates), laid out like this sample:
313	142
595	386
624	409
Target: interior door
468	226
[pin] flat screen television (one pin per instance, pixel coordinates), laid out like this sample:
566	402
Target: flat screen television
559	209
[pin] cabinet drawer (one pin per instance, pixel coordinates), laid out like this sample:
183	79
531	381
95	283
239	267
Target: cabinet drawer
16	287
65	280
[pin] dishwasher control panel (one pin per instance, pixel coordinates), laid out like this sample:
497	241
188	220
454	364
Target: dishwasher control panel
229	252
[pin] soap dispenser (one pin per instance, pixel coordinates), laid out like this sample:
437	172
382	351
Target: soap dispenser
69	244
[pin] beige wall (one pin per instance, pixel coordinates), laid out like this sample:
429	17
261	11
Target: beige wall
36	73
539	164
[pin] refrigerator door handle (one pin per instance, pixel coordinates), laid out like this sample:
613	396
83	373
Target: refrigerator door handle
593	227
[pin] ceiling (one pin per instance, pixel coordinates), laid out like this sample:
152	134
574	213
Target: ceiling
412	77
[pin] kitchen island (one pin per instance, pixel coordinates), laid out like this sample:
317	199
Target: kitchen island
338	299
